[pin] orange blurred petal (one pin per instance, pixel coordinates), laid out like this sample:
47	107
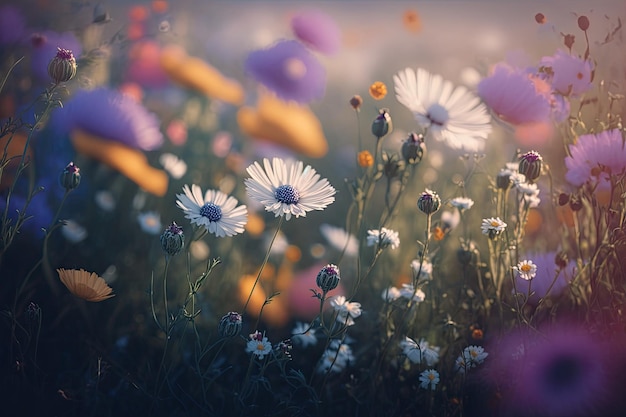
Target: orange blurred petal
130	162
533	222
196	74
138	13
160	6
412	21
275	313
286	124
534	133
15	148
255	225
565	215
135	31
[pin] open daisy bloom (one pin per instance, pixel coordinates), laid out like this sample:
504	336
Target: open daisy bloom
86	285
288	187
216	211
452	115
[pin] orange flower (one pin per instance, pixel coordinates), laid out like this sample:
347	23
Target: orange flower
438	233
365	159
86	285
378	90
412	21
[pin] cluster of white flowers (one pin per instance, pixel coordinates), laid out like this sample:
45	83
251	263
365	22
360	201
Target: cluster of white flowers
383	238
346	311
336	358
420	352
470	358
421	270
407	292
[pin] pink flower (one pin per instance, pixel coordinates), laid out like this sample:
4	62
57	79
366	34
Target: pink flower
568	74
595	157
318	31
513	96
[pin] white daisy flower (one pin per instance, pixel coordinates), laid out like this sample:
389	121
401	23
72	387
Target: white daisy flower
217	212
346	311
73	231
408	290
303	335
258	345
470	358
418	352
175	166
526	270
492	226
450	219
424	270
391	294
105	200
383	238
339	239
150	222
288	188
429	379
453	115
335	358
462	203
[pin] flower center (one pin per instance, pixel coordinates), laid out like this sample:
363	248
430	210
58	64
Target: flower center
211	211
260	347
495	224
286	194
526	268
473	353
579	75
438	115
431	376
295	68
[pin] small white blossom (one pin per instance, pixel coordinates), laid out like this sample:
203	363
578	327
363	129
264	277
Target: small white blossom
470	358
303	335
418	352
391	294
346	311
336	358
422	271
462	203
409	291
383	238
150	222
492	226
258	345
526	270
429	379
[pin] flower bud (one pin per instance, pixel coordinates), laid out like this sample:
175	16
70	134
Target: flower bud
230	325
365	159
62	67
429	202
328	278
392	166
503	179
356	101
530	165
172	239
382	124
583	23
413	148
70	177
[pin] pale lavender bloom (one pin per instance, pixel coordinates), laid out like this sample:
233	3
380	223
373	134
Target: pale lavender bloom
317	30
595	157
112	115
512	96
289	70
569	74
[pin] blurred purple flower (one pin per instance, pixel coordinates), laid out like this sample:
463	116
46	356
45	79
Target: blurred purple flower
511	94
113	115
568	74
12	24
546	274
563	371
44	47
289	70
317	30
595	157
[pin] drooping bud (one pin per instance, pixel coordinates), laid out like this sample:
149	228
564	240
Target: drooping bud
583	23
328	278
382	124
429	202
230	325
530	165
70	177
63	66
172	239
413	148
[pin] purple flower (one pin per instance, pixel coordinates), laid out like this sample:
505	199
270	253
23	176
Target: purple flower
317	30
546	274
12	25
563	371
112	115
568	74
512	95
289	70
44	48
595	157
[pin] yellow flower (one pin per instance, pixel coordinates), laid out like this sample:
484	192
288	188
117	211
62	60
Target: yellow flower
378	90
365	159
85	285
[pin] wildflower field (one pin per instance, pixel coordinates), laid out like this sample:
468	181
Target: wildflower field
297	208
